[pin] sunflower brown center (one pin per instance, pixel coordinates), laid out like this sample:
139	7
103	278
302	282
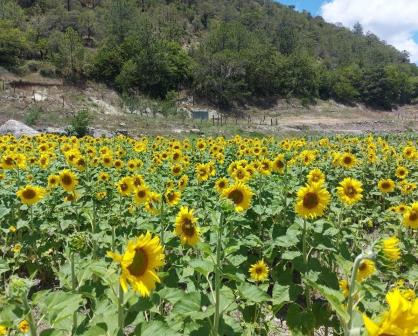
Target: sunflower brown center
124	187
188	227
350	191
310	200
347	160
9	161
385	185
221	184
171	196
176	170
139	263
29	194
413	216
236	196
362	267
258	270
141	193
279	164
66	179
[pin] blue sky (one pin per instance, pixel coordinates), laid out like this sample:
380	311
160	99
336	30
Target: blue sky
395	22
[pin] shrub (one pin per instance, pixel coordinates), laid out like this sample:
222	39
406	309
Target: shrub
32	115
80	123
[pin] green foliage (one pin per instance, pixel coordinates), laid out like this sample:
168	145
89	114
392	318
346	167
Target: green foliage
32	115
13	43
79	123
227	52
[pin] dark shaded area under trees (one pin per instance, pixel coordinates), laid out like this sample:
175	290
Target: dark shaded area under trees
225	52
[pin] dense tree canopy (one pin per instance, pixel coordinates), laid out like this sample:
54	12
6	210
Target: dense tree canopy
226	52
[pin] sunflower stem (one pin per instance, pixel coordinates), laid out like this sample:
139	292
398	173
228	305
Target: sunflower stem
218	277
93	229
32	325
305	262
74	287
121	314
350	303
356	265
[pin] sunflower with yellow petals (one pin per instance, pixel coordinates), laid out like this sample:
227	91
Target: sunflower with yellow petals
259	271
125	186
221	184
186	227
240	194
316	176
31	195
139	264
68	180
410	217
312	200
172	197
366	269
386	185
350	191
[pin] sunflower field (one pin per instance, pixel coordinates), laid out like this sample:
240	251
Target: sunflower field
209	236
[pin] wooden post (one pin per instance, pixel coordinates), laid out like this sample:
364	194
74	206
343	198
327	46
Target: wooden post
63	102
213	120
33	95
271	121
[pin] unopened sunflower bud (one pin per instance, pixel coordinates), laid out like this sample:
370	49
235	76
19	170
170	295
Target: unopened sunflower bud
78	241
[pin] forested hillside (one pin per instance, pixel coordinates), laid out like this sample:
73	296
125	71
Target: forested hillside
224	52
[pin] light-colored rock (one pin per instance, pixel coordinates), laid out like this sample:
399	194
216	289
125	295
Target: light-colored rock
98	133
54	130
17	128
148	110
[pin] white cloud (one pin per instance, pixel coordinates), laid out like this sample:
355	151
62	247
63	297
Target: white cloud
395	21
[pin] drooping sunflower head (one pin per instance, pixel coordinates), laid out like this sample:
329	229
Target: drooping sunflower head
259	271
344	287
312	200
142	259
153	203
350	191
186	227
30	195
68	180
366	269
390	249
279	164
240	194
410	217
386	185
182	183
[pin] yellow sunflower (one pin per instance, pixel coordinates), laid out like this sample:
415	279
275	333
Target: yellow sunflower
153	203
3	330
347	160
172	197
316	176
23	326
221	184
30	195
182	183
279	164
390	248
141	194
176	170
386	185
125	186
68	180
53	181
241	174
410	217
366	269
350	191
240	195
186	227
344	287
401	172
139	264
103	177
312	200
259	271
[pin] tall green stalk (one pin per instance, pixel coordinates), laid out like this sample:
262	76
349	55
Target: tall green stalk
74	288
217	316
121	314
305	262
32	325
